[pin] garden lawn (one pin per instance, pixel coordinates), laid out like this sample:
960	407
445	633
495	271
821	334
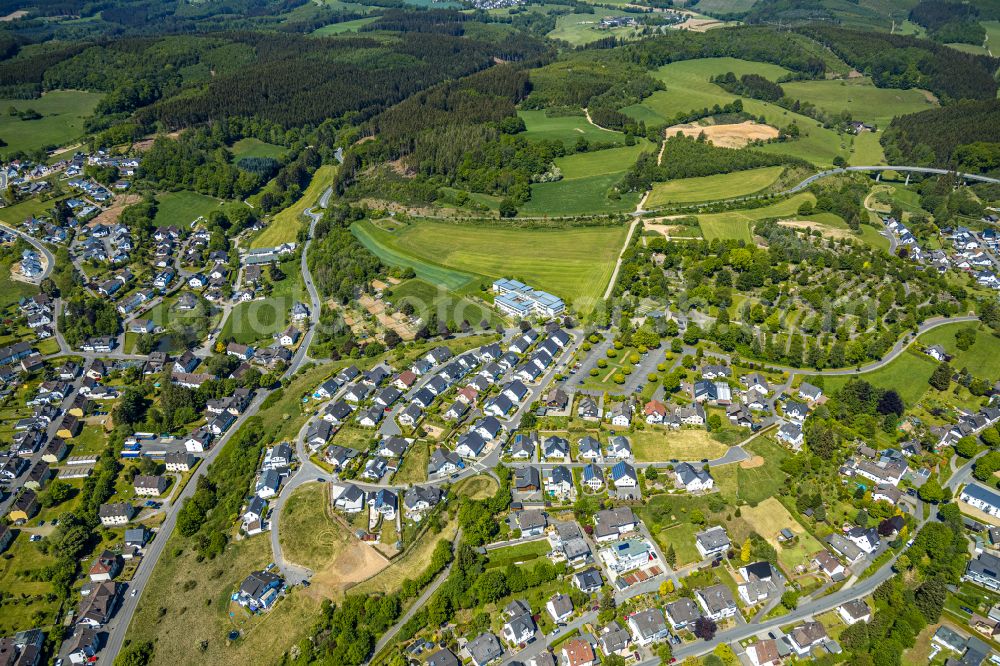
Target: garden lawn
21	559
182	208
735	224
565	128
661	445
768	518
255	148
284	227
62	113
712	188
414	466
427	298
982	358
907	373
860	98
521	553
260	320
11	290
573	263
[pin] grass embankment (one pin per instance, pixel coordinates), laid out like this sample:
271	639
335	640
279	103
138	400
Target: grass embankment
284	226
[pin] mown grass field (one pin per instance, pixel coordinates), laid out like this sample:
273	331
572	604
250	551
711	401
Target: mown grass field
344	26
689	89
256	148
580	29
860	98
427	299
982	358
381	243
521	553
768	518
867	151
182	208
573	263
308	536
736	223
661	445
284	227
14	215
580	196
565	128
907	374
62	112
260	320
11	290
712	188
21	560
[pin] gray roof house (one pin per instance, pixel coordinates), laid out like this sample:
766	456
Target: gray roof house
484	648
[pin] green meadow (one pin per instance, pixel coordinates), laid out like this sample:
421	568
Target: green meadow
860	98
427	298
256	148
712	188
982	358
580	29
183	207
565	128
907	373
588	178
62	113
344	26
689	89
573	263
736	223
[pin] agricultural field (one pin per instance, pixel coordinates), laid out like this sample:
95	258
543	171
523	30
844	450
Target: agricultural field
659	444
689	89
63	112
982	358
573	263
343	26
580	29
565	128
582	196
712	188
182	208
284	226
736	223
860	98
427	298
867	151
255	148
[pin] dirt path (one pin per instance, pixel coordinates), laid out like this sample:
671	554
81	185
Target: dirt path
618	264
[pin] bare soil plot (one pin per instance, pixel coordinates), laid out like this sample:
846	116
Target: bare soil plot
700	25
734	135
826	230
357	562
110	215
755	461
396	321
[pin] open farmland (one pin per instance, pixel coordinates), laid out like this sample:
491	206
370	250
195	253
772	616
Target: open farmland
689	89
736	223
860	98
256	148
62	114
712	188
182	208
573	263
565	128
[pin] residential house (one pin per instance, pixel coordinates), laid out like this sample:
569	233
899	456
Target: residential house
855	611
349	498
648	626
578	652
621	414
712	542
984	570
179	461
682	613
560	607
520	626
614	639
527	480
115	514
593	477
611	524
588	580
259	590
693	479
760	582
717	602
484	649
106	566
444	462
764	653
619	448
624	477
555	448
588	410
807	636
559	483
531	522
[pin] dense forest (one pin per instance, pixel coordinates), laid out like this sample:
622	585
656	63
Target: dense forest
899	61
954	135
949	21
